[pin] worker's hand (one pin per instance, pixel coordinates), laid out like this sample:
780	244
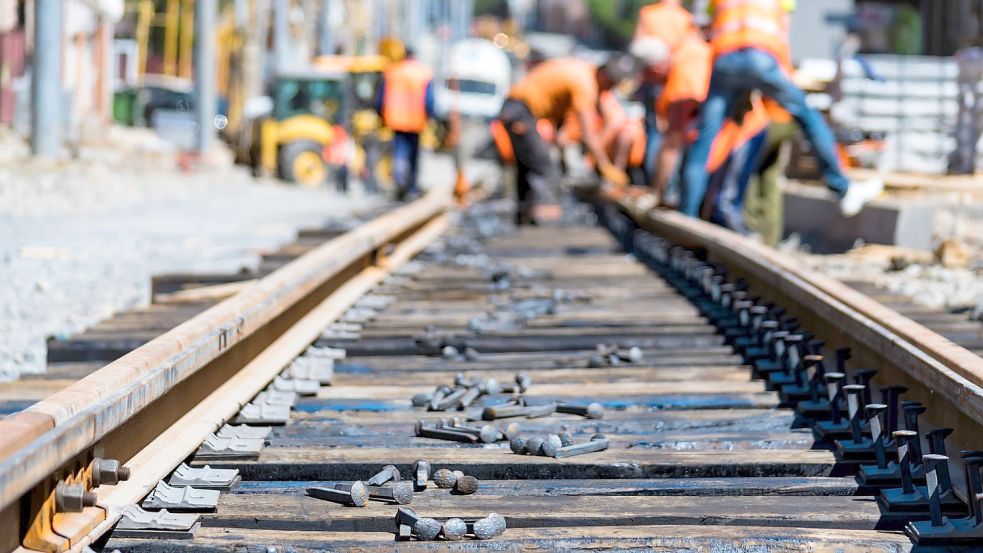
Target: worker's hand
614	175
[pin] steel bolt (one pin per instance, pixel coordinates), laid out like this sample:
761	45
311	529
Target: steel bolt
489	527
400	493
73	498
423	431
551	444
508	411
450	400
444	478
534	445
449	352
407	516
388	472
421	473
566	439
421	400
426	529
487	434
438	395
404	533
454	529
597	443
466	485
472	393
356	494
108	471
592	411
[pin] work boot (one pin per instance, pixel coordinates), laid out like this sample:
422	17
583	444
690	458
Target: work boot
858	194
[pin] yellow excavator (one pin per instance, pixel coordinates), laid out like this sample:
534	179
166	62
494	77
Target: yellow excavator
315	114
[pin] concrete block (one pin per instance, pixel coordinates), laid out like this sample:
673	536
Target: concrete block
814	214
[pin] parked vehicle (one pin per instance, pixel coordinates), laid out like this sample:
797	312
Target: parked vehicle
477	81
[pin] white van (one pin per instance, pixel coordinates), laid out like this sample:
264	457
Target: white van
482	74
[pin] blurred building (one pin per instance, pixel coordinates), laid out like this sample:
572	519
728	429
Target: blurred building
88	64
12	56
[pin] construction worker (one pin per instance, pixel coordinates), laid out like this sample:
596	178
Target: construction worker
749	38
404	101
669	22
551	91
684	69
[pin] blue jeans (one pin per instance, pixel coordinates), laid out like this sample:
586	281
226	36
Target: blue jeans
406	158
735	74
650	93
728	210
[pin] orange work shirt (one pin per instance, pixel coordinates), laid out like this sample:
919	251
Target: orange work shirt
669	23
556	87
689	75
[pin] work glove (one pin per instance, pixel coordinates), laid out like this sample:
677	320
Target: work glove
614	175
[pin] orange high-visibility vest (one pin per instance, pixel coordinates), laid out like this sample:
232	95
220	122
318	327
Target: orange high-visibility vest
667	22
405	97
739	24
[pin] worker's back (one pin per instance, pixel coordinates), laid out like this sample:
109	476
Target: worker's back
666	21
689	74
740	24
405	96
558	86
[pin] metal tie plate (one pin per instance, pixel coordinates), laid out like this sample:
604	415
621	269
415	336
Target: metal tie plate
297	385
263	413
215	447
320	369
273	397
205	477
243	431
139	523
181	498
324	352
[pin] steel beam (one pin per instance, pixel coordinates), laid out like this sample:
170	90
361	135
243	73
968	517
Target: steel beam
205	91
46	90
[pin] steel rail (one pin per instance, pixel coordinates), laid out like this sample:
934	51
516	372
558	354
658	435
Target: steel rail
942	375
130	403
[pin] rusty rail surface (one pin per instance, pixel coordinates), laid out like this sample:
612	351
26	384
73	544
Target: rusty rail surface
942	375
125	408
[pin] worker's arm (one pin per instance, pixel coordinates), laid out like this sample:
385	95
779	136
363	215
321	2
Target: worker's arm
673	144
594	147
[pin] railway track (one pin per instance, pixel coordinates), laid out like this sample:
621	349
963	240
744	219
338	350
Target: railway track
709	360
